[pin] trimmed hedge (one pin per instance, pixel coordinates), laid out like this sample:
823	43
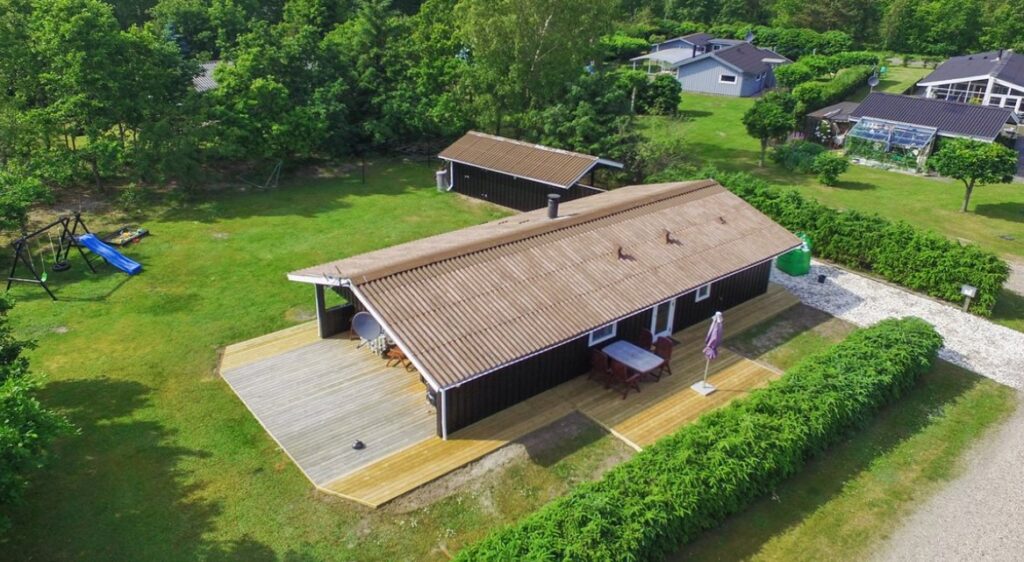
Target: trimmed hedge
894	250
815	95
812	66
690	481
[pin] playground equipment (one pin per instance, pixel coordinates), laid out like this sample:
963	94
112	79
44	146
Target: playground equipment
72	234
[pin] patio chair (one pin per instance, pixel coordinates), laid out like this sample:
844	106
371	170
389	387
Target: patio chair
396	357
645	340
663	348
622	375
599	367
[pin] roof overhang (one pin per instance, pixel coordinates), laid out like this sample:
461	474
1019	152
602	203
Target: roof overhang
339	282
955	80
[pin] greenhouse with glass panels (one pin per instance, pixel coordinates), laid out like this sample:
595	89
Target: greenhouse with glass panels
888	142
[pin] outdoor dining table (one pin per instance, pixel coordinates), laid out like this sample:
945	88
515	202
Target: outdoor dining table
636	358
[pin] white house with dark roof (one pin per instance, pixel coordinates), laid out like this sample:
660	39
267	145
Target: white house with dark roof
738	70
994	78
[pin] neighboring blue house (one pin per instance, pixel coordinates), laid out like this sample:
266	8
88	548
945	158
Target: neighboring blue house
695	43
740	69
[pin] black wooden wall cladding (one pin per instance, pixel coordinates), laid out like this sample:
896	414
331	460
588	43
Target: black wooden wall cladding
510	191
489	394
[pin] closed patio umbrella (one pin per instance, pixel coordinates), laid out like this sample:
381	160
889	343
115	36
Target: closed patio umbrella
711	343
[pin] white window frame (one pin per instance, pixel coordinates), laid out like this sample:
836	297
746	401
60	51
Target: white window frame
722	80
595	337
703	293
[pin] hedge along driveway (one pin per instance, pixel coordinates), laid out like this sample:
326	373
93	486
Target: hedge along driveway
690	481
894	250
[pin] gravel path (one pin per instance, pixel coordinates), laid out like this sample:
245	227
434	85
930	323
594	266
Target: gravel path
971	342
978	516
1016	281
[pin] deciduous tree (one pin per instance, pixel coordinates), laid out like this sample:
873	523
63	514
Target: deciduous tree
974	163
770	118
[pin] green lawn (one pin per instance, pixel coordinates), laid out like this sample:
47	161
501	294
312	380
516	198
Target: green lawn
848	499
712	128
897	80
169	463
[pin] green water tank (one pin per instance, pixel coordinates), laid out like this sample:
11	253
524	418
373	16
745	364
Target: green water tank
796	262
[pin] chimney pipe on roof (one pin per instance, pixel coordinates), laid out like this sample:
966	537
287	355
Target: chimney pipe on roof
553	205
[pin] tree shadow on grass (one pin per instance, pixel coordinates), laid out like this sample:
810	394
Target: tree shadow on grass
301	196
691	114
855	186
1013	212
116	491
824	478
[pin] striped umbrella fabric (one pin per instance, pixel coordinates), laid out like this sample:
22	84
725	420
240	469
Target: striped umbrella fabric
714	337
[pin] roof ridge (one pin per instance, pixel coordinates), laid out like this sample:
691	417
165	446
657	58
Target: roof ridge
536	229
533	145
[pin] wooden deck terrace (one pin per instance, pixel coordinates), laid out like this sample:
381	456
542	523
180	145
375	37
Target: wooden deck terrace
378	477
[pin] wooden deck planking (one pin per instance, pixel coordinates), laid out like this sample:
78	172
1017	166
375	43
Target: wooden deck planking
268	345
316	400
405	456
424	462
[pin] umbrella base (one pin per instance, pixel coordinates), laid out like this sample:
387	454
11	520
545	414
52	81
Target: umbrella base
703	388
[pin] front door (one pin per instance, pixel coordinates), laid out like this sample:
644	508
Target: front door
661	320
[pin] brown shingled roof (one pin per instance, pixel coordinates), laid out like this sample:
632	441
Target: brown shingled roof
551	166
470	301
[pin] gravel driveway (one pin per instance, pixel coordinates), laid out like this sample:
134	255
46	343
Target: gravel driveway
972	342
978	516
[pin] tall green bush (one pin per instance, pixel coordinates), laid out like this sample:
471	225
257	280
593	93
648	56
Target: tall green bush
815	95
690	481
894	250
797	156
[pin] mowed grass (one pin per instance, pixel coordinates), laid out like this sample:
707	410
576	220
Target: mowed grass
897	80
848	499
169	464
713	131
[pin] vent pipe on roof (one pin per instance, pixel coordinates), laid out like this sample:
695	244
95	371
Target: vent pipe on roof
553	205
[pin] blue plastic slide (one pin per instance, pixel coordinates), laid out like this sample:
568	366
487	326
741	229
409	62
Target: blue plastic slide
112	256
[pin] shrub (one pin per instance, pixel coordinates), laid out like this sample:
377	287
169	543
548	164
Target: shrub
797	156
792	75
690	481
660	96
621	47
896	251
26	426
829	166
815	95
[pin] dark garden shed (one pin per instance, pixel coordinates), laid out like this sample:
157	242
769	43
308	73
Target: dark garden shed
517	174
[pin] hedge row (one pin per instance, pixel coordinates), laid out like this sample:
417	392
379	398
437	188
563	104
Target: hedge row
812	66
815	95
689	482
917	259
791	42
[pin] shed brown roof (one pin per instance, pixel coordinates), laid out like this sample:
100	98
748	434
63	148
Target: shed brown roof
467	302
551	166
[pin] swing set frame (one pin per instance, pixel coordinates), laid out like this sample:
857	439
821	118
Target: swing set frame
69	231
